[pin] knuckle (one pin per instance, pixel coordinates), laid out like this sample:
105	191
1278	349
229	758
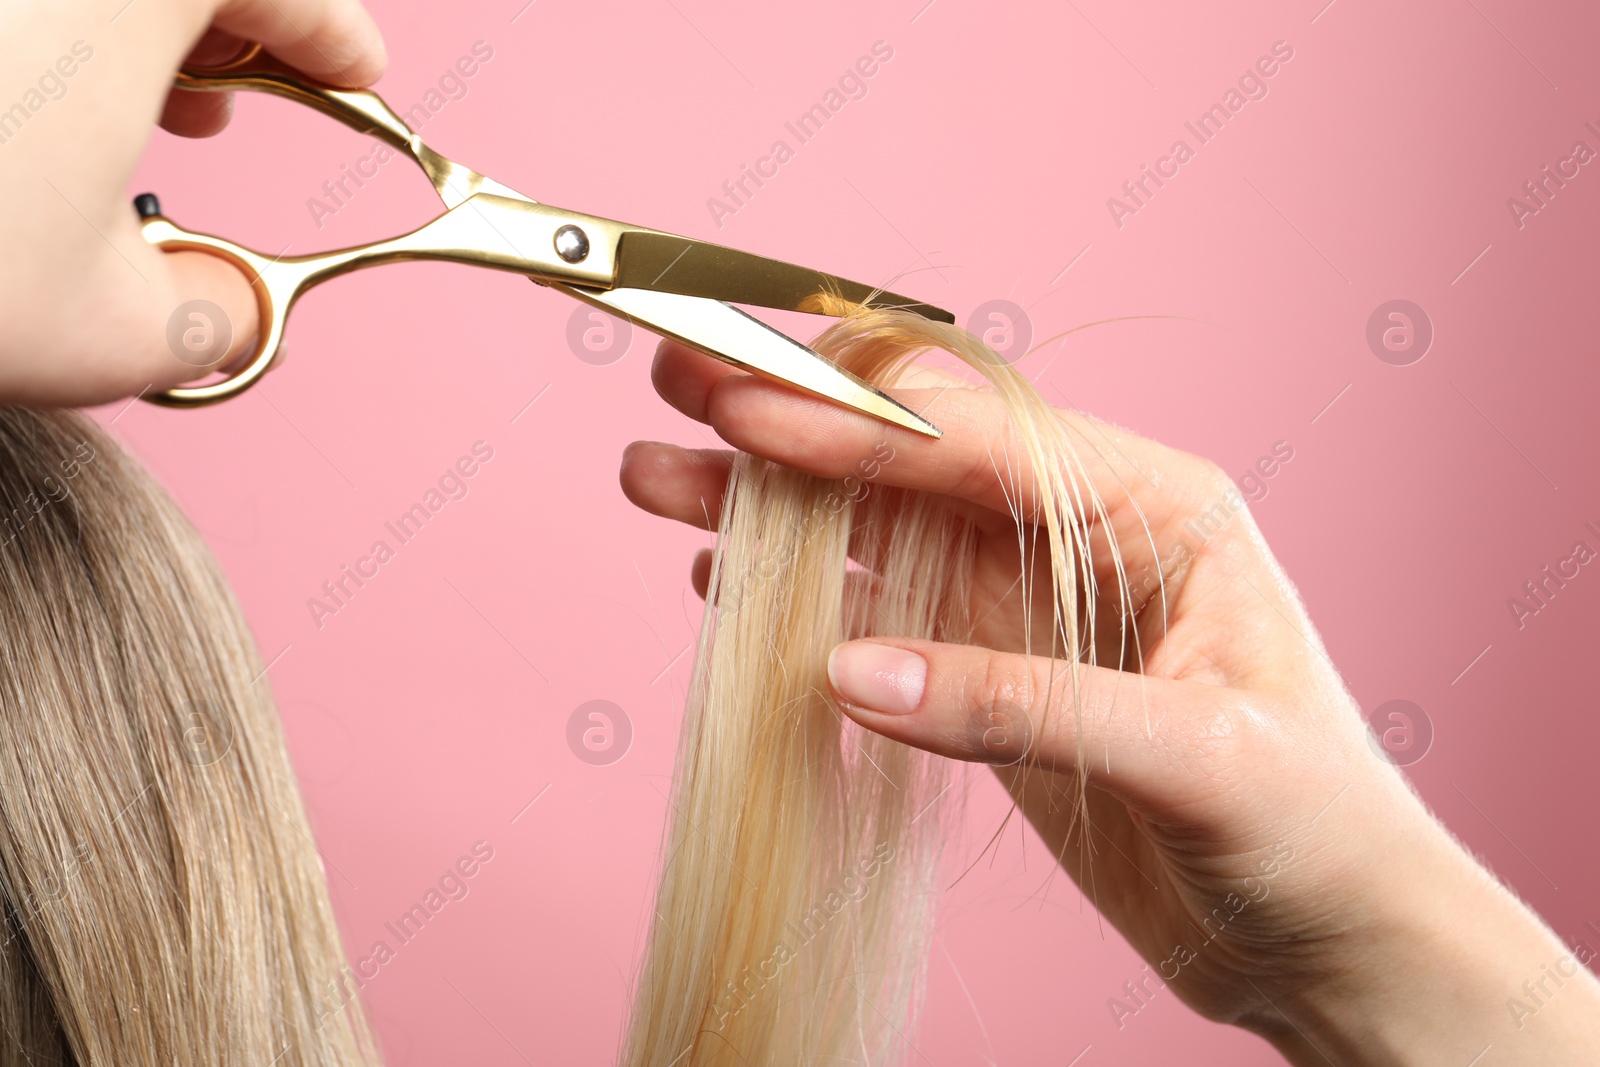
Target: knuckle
1000	711
1218	742
1210	476
979	416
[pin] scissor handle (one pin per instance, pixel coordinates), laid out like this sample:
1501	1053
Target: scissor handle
487	230
276	285
256	69
275	292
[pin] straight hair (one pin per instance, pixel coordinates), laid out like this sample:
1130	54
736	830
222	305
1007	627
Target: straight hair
797	895
163	900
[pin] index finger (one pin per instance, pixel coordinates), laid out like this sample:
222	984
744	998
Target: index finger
1149	490
191	114
335	41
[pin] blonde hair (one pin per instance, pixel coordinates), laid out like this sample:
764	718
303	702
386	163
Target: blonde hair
799	882
163	899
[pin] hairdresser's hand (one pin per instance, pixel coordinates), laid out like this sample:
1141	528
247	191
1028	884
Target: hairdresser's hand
84	300
1246	838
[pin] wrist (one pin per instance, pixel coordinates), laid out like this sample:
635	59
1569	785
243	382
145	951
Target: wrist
1444	964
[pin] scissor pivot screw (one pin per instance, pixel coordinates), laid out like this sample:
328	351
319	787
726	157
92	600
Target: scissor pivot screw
572	244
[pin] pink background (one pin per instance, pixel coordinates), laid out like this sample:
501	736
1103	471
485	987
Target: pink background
429	712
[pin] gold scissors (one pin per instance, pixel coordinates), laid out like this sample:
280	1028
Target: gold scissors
675	286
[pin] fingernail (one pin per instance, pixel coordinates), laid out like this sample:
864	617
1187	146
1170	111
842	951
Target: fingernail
878	677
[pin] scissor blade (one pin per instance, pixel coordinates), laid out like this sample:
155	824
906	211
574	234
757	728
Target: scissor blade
723	331
664	262
718	329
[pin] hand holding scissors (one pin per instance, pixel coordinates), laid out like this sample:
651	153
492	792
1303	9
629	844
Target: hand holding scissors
678	287
84	300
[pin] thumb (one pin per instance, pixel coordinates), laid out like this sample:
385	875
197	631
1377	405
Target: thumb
192	315
206	316
1153	742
